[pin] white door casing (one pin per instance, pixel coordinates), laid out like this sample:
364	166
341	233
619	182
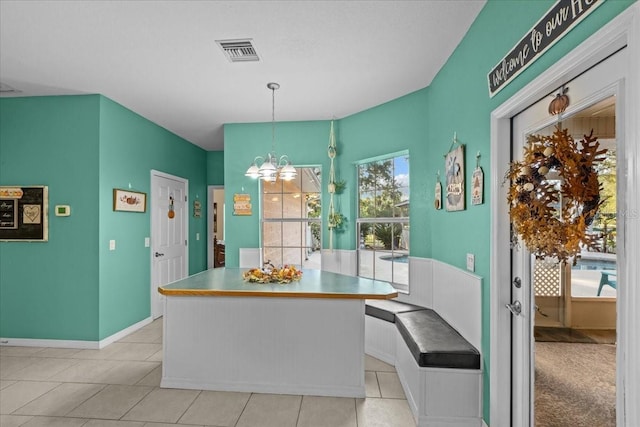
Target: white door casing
169	244
622	30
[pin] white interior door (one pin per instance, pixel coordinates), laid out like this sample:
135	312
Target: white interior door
169	245
595	85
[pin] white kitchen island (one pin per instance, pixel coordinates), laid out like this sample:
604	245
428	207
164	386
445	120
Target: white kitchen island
305	337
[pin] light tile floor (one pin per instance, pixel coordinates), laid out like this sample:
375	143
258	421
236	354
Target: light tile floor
118	386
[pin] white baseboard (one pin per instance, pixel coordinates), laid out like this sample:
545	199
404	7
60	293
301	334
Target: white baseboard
80	344
123	333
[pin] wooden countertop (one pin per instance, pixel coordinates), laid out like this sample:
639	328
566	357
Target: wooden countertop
313	284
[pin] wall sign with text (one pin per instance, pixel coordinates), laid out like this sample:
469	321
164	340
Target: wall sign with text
241	204
559	20
24	213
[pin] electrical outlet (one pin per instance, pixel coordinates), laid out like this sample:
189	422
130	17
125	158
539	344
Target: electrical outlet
471	262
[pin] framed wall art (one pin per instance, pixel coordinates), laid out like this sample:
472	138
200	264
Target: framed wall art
477	183
129	201
242	204
24	213
454	166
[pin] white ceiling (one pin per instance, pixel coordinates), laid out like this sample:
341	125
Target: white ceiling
160	59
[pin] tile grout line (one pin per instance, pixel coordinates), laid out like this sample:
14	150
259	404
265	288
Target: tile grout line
243	409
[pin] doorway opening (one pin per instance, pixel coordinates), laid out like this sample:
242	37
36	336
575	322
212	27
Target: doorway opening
215	227
574	327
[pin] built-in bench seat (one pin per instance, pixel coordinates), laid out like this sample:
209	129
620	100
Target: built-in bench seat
438	368
434	343
380	328
387	309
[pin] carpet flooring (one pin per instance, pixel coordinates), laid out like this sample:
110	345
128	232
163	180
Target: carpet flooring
591	336
575	384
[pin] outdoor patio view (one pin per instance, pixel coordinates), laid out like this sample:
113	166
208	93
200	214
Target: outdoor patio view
383	220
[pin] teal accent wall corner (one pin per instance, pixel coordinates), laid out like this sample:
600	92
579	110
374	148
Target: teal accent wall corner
82	147
49	290
130	147
215	167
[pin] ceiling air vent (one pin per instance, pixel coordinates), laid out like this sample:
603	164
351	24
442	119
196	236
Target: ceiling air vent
239	50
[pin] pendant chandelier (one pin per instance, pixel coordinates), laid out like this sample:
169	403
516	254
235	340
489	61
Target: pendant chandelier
268	168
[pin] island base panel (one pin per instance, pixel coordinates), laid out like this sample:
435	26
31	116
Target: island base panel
309	346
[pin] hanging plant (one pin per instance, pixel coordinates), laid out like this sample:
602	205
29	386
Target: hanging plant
337	187
553	220
336	221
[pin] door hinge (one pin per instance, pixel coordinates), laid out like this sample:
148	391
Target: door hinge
185	198
185	243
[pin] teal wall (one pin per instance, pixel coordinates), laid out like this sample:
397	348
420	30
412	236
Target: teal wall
83	147
423	122
305	142
50	290
215	167
130	147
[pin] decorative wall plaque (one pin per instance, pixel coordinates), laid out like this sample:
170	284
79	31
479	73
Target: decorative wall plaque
24	213
454	166
241	204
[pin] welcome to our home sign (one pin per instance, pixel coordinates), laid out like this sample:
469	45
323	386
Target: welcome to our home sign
559	20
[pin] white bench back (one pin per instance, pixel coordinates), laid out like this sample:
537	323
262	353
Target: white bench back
454	294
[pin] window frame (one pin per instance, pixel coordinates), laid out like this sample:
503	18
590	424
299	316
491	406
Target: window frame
282	220
361	220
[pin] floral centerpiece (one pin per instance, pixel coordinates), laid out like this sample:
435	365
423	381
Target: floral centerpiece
270	274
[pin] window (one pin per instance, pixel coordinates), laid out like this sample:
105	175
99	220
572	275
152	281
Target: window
291	220
383	220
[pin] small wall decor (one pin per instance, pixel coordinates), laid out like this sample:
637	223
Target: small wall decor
24	213
172	212
477	183
454	167
197	208
560	102
437	202
241	204
129	201
553	220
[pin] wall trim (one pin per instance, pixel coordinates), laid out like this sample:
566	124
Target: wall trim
80	344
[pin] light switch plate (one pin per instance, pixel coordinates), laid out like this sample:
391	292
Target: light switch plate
147	242
112	245
471	262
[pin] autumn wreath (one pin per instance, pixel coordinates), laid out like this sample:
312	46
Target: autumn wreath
555	194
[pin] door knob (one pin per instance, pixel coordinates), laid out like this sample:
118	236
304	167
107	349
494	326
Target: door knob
159	254
515	308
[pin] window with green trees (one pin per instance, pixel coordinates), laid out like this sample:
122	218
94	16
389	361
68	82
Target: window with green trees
383	220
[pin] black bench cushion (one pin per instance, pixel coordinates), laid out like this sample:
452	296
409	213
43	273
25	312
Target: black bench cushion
434	343
386	309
